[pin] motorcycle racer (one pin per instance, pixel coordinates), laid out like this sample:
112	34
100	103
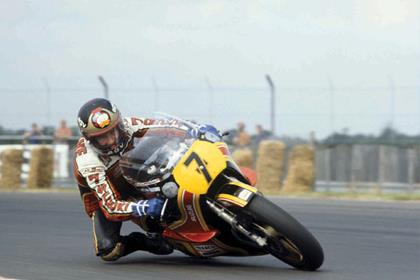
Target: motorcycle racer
107	197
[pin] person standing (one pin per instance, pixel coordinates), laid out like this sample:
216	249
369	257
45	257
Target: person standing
261	134
62	133
242	138
33	136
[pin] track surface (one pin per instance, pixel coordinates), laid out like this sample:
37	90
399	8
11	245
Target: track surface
48	236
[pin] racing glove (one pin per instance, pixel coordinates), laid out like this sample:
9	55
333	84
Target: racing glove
151	207
207	132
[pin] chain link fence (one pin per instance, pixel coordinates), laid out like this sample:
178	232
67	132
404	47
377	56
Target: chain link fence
300	111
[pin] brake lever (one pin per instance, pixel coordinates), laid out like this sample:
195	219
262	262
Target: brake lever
162	212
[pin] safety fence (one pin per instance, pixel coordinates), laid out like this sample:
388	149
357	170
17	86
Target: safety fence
355	167
361	167
381	167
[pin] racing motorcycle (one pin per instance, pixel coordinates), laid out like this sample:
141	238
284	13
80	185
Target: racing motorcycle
211	209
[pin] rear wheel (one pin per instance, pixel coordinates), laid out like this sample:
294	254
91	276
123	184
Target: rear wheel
287	239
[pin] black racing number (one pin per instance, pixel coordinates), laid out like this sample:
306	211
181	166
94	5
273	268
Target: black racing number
201	166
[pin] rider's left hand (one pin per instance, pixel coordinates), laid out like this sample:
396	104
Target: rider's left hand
151	207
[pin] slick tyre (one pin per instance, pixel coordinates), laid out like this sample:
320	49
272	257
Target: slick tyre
287	239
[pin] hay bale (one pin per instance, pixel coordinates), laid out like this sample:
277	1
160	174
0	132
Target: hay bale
301	171
243	157
11	168
41	167
270	165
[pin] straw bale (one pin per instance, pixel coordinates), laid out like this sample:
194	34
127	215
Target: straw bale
270	165
301	171
41	167
243	157
11	168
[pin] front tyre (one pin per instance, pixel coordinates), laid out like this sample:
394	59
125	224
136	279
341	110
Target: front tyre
287	239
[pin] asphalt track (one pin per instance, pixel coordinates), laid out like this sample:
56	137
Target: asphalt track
47	236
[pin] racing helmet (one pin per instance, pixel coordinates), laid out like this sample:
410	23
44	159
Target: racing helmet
98	117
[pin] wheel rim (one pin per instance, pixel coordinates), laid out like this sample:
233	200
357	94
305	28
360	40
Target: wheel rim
285	250
280	246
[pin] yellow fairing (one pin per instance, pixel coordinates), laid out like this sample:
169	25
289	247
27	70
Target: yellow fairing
199	167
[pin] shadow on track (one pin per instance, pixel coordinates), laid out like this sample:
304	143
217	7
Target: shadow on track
236	263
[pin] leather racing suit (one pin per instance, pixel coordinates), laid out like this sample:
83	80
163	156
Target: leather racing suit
108	197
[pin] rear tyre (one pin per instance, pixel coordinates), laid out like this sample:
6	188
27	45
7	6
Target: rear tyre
287	239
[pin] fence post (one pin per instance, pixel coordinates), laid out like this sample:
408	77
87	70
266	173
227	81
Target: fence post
327	163
353	168
411	163
381	167
272	104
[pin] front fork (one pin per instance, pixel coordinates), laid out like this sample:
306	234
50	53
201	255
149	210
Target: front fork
232	219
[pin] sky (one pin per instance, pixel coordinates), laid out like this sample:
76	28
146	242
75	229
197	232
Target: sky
350	64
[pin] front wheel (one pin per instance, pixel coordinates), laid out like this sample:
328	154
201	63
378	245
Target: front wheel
287	239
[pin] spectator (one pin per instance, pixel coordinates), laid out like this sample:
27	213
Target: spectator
242	137
261	134
33	136
62	133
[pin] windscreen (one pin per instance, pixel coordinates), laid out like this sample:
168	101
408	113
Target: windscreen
153	156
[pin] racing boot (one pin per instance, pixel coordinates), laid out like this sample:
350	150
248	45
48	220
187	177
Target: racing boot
154	244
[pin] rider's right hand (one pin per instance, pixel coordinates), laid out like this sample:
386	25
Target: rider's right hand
207	132
151	207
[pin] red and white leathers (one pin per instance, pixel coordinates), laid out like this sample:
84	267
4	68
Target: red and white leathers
100	179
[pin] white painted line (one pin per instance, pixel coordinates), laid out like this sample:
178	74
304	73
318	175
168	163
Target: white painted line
4	278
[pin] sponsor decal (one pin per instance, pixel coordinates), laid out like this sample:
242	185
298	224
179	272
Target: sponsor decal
90	170
162	122
136	121
81	147
191	212
93	179
245	195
